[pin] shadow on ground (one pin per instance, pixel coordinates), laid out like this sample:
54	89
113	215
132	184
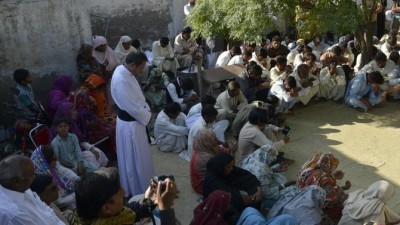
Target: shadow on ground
365	143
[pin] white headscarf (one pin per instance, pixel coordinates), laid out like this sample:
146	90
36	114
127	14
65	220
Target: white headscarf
369	205
109	54
121	51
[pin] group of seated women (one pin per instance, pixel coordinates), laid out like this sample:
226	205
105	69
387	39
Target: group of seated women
257	191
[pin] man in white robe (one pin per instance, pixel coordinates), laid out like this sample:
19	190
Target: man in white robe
224	57
381	64
186	48
306	82
170	129
252	137
19	204
207	120
163	55
279	72
243	59
286	91
332	82
135	163
230	102
195	112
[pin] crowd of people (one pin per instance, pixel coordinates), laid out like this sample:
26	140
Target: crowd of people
235	141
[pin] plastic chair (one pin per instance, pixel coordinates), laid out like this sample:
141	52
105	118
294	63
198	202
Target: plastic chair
40	135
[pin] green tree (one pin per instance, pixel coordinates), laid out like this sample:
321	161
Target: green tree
248	19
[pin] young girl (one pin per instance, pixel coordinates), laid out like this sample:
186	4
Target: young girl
67	149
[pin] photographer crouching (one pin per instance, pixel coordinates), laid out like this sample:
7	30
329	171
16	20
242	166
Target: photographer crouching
100	200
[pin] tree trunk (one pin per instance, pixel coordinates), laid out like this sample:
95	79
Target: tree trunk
364	34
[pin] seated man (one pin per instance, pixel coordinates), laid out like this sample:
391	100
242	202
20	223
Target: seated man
230	101
186	48
317	45
207	120
19	205
46	188
332	82
25	97
275	49
390	45
363	91
100	200
181	91
170	129
225	57
383	65
287	92
251	84
243	114
280	71
163	56
293	53
260	57
251	136
394	77
309	84
243	58
195	112
335	53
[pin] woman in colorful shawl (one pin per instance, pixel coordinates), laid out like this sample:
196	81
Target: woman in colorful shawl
222	174
67	111
273	180
304	205
45	163
370	205
251	216
87	64
215	210
62	86
205	147
321	171
90	102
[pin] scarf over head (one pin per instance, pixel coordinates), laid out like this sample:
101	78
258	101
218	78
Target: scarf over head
121	52
108	54
211	210
368	205
62	86
318	171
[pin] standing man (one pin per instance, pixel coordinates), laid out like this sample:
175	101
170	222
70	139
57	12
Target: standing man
135	162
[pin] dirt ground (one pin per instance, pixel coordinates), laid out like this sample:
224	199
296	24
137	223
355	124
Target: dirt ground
367	145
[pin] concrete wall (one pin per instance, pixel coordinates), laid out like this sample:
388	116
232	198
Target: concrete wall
43	37
146	20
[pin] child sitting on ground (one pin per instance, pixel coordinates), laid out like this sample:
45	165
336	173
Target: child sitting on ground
67	149
25	97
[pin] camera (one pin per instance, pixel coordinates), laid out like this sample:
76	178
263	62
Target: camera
162	179
286	130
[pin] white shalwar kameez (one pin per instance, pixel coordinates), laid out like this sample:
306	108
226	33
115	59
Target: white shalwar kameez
307	93
171	134
332	86
219	129
135	163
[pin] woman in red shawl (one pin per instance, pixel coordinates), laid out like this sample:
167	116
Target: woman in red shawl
213	210
321	171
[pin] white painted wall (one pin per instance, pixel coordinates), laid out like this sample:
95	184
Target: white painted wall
42	36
